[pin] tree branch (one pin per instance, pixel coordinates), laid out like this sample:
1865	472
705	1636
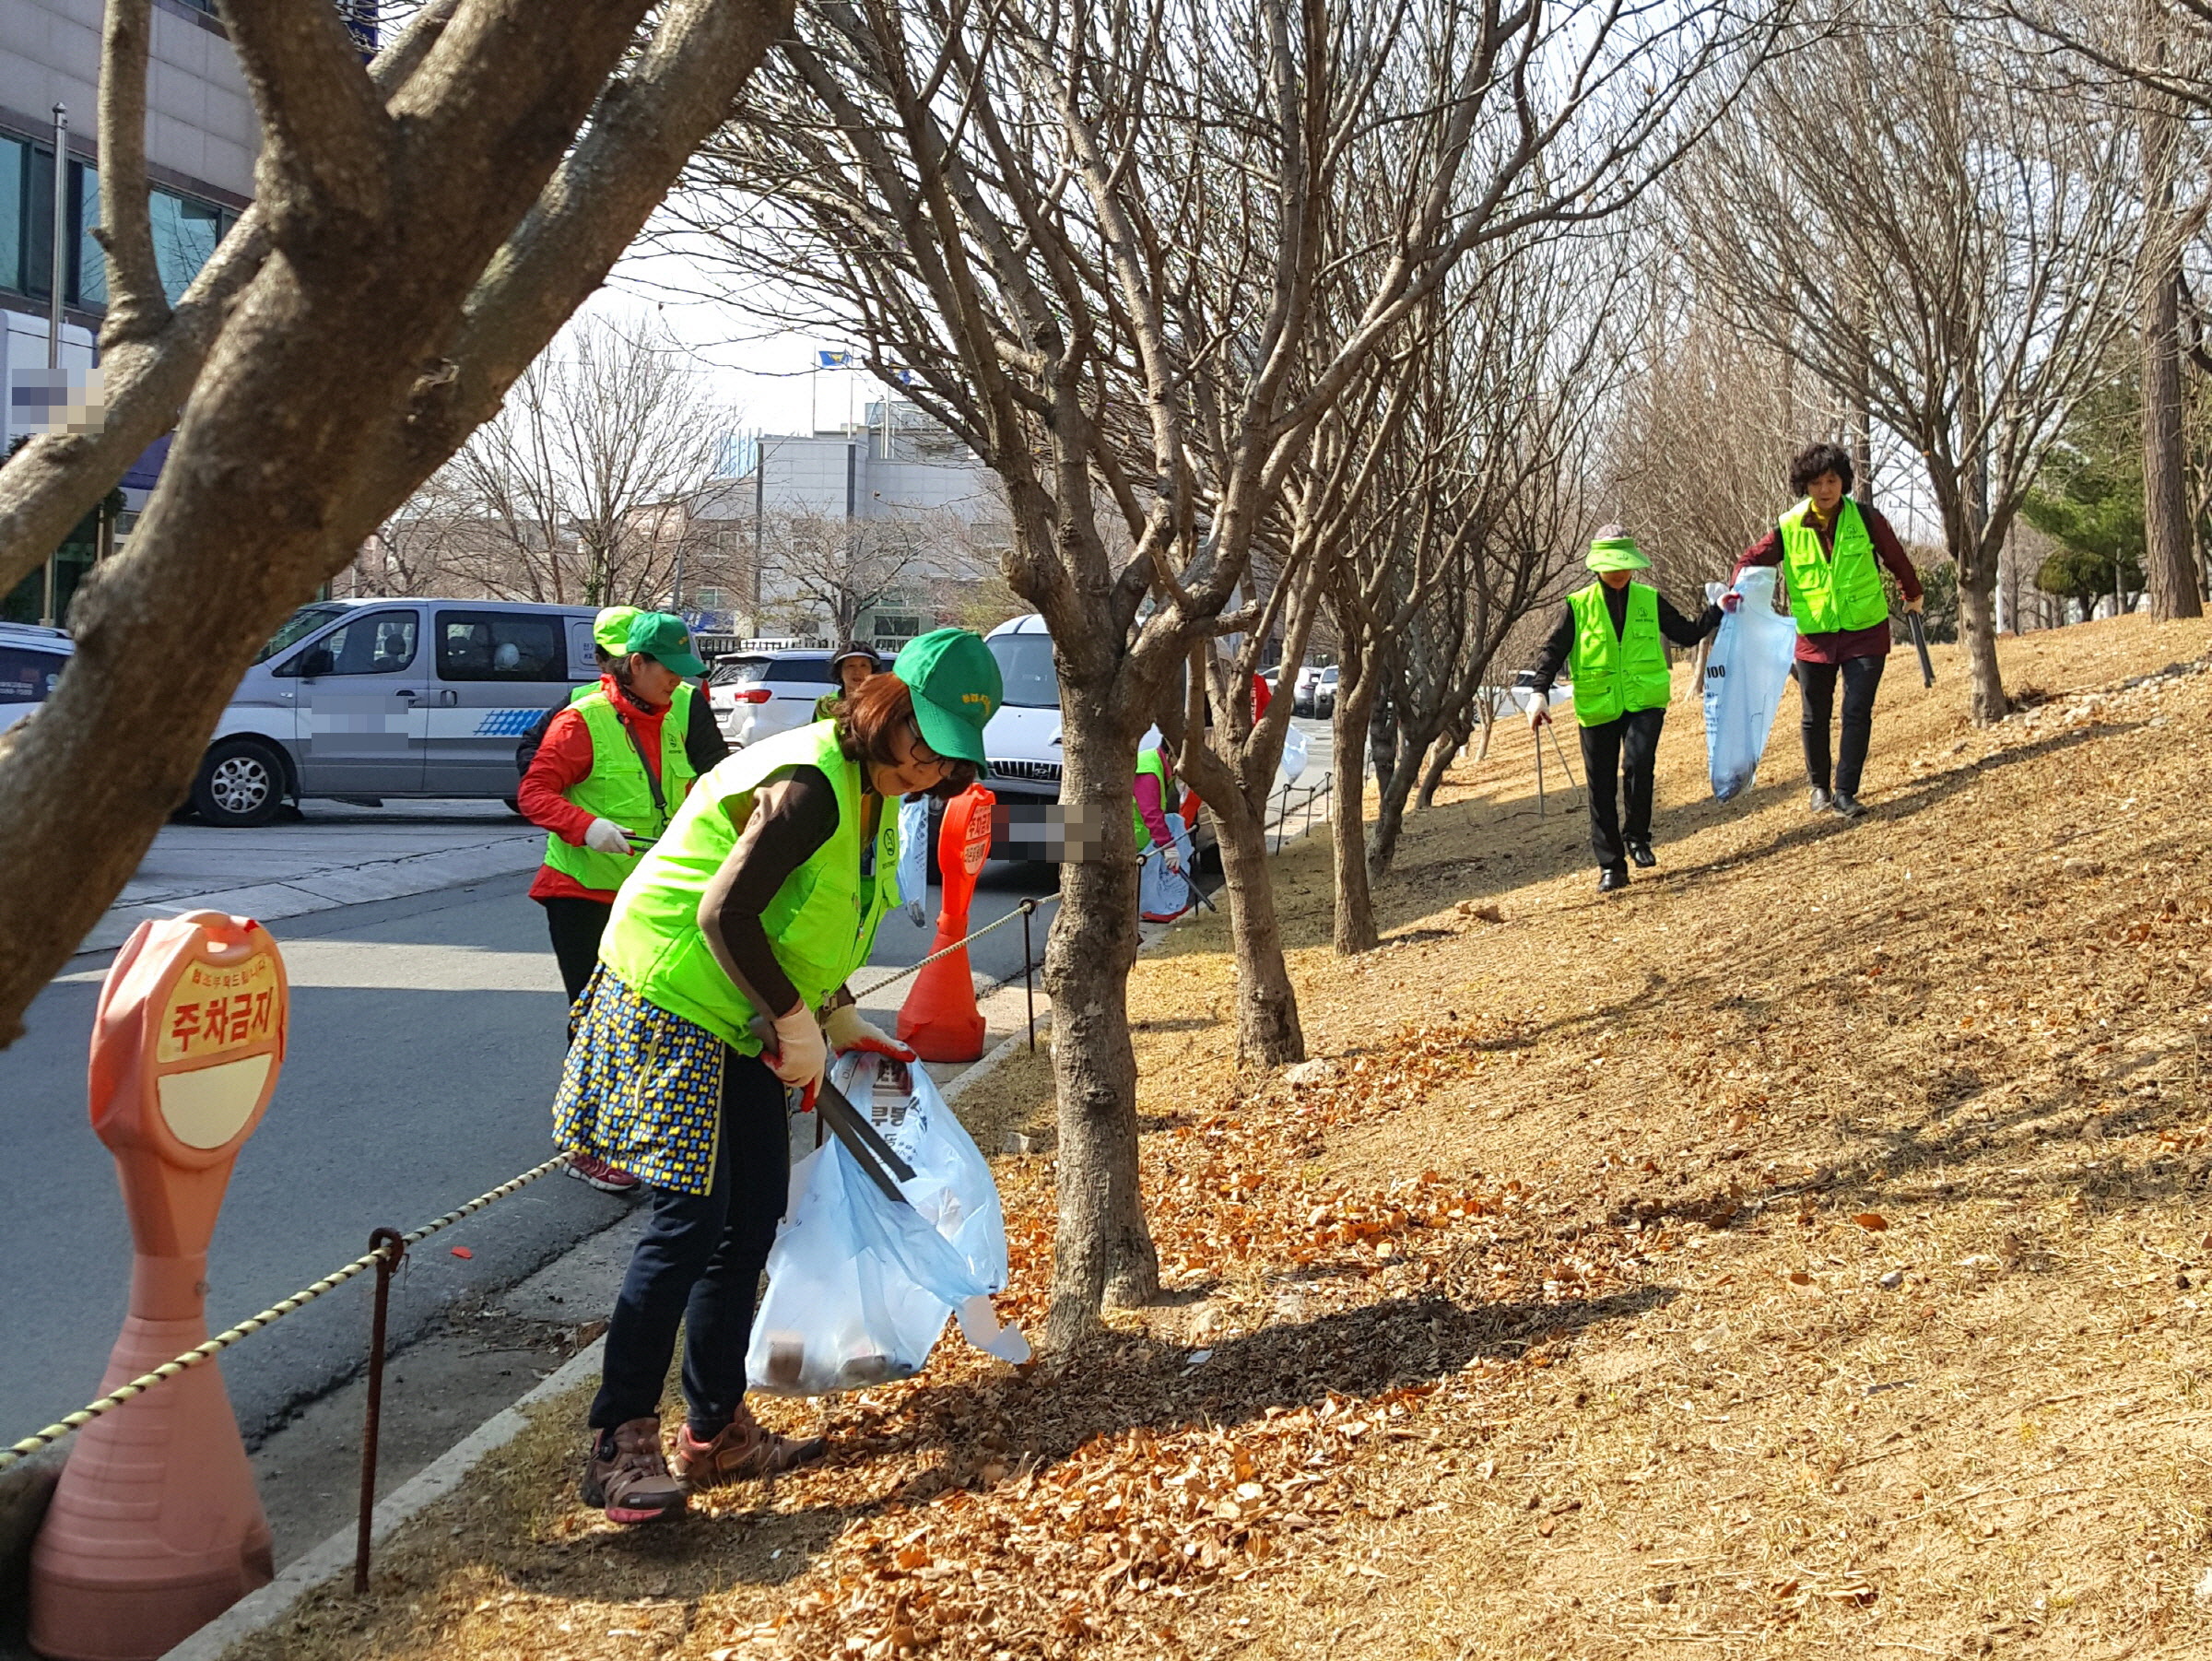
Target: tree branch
137	308
47	485
326	138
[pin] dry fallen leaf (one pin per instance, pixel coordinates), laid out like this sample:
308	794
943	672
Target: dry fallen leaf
1870	1219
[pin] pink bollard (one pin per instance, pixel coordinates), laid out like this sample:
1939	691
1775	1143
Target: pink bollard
155	1527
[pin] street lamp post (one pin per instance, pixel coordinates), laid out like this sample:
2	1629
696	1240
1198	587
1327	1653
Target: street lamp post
59	267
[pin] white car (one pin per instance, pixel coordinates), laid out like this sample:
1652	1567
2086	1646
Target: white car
32	661
756	695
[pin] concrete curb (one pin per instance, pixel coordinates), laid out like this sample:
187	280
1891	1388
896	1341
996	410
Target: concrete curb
260	1610
327	890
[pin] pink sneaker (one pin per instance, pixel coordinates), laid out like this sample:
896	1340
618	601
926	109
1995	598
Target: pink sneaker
607	1178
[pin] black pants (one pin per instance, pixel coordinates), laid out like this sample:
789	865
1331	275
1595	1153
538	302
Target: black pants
1617	754
1817	695
700	1265
576	925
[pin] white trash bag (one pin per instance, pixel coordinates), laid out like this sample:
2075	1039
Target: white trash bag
1296	754
859	1285
914	859
1744	672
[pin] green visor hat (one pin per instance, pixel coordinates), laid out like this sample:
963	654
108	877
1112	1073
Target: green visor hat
1618	553
957	689
664	637
610	629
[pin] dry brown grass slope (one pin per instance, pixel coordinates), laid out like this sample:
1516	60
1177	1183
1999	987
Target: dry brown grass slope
1798	1254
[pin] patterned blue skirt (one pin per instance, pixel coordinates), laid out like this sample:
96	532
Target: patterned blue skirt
642	1089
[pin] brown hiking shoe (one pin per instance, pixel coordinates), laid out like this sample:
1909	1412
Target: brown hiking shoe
745	1449
629	1479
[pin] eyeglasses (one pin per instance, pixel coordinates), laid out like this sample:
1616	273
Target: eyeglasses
922	755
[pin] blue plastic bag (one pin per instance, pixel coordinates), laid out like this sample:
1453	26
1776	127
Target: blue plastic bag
859	1285
914	859
1744	672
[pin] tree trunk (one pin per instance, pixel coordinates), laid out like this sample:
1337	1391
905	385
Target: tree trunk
1355	921
1101	1248
1977	626
1440	761
2168	566
1268	1034
1408	746
2168	559
1490	727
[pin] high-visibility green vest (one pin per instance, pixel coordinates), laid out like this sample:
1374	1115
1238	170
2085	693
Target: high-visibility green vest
1829	595
1615	674
618	788
1150	761
821	923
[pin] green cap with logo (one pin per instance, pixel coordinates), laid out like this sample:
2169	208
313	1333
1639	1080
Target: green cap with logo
1618	552
957	689
666	639
611	629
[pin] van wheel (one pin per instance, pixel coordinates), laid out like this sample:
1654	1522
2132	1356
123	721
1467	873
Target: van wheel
241	784
514	807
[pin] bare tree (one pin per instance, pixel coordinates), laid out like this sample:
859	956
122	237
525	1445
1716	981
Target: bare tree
585	487
1092	243
829	573
423	227
1915	227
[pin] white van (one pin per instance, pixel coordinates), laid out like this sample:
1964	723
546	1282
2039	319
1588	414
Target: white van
32	661
362	700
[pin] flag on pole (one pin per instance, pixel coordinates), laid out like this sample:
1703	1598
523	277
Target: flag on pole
825	359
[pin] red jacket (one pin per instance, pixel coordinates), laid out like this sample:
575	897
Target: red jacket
562	762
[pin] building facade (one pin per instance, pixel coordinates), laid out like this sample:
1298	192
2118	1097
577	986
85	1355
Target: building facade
201	138
876	532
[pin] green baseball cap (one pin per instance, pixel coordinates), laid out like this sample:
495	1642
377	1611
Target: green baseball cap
1618	553
664	637
957	689
611	629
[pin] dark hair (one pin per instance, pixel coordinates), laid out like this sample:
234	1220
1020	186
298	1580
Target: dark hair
1814	460
869	718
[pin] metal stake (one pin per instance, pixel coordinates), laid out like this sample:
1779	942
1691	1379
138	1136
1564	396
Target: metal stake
1029	979
1539	775
384	1267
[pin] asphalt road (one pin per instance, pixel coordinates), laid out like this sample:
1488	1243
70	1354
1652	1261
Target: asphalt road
427	1039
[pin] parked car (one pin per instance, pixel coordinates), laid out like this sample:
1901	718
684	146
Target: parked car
362	700
32	661
1301	688
1324	694
1023	744
759	694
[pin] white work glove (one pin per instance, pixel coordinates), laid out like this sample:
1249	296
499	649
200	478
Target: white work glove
1172	857
1918	604
1539	714
848	1030
606	837
917	914
800	1053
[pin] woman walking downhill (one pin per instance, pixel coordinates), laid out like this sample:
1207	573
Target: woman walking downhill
743	920
1826	547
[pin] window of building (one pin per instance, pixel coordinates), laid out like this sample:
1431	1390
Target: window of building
15	166
185	234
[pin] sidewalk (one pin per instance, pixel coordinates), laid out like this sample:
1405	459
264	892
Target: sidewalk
333	855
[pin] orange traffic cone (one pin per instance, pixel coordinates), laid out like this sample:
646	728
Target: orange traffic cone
939	1019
